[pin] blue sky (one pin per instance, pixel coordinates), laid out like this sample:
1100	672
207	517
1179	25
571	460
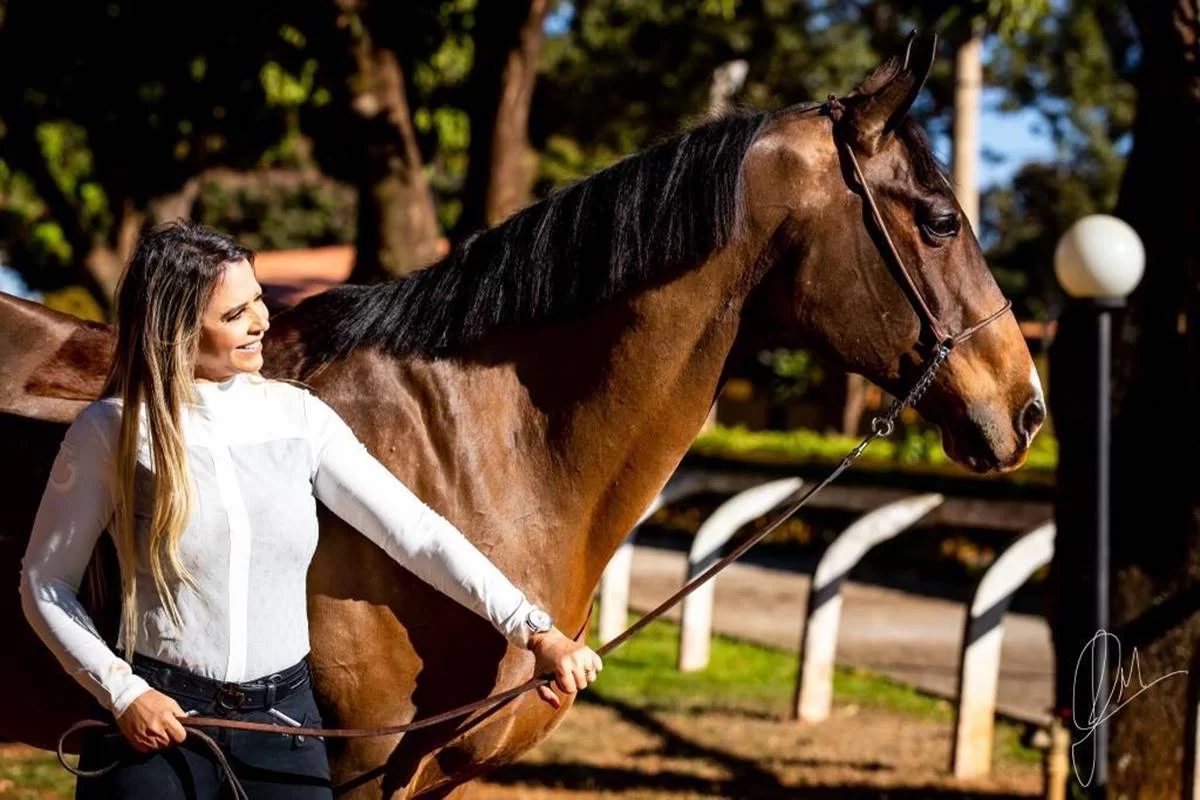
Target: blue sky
11	282
1015	137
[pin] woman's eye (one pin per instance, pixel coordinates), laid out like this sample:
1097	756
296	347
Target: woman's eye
943	226
258	301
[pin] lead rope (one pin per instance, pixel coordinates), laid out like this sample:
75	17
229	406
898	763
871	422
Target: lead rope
881	426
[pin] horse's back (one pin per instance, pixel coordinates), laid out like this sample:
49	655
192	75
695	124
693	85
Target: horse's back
51	364
50	368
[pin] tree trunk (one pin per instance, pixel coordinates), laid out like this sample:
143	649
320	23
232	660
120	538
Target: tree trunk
501	167
968	85
180	203
397	221
106	260
727	80
1156	506
842	402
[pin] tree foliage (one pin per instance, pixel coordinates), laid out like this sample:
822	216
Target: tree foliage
111	106
87	138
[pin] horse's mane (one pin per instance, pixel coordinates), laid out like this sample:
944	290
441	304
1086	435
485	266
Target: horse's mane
928	171
665	208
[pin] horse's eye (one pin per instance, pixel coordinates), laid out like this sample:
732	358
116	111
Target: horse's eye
943	226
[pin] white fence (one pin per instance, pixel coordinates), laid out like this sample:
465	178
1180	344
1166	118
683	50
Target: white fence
812	700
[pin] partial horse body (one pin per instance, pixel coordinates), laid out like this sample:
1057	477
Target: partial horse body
540	386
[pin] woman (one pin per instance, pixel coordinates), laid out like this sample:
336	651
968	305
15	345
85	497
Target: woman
207	475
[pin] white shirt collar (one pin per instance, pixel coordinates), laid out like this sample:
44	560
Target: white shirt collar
229	389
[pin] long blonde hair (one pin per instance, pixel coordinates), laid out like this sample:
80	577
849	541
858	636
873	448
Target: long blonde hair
161	298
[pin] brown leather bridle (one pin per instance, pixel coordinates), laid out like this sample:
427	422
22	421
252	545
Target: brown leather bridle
834	109
881	426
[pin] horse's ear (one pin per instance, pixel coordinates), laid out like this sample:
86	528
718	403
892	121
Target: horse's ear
885	96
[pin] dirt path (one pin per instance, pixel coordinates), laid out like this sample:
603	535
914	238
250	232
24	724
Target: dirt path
613	751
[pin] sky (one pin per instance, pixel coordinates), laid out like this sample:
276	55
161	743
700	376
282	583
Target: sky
11	282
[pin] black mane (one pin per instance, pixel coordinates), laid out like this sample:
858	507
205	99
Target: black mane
665	208
928	170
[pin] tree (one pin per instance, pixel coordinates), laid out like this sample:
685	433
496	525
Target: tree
397	222
440	96
1157	385
110	143
97	147
626	74
1076	69
502	166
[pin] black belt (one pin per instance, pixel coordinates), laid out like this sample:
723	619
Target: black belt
253	695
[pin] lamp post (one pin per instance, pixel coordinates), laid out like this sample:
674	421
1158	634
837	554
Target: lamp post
1098	262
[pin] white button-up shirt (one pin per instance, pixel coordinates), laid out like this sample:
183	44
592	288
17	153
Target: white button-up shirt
260	453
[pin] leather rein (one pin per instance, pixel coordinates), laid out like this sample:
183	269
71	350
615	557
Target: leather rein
881	427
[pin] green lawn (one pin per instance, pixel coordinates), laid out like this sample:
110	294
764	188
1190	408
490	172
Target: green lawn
34	775
742	676
911	449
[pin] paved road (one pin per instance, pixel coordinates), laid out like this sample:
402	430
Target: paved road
907	636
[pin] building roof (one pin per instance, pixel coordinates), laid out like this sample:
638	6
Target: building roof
289	276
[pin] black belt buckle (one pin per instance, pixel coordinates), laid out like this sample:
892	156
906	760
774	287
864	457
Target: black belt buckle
273	683
230	697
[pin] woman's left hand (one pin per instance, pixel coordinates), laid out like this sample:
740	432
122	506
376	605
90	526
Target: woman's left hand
573	663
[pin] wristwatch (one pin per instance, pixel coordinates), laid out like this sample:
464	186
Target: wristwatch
538	621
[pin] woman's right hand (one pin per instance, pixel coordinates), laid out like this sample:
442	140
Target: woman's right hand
151	722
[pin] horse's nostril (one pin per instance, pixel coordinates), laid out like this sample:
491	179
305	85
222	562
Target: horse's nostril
1032	417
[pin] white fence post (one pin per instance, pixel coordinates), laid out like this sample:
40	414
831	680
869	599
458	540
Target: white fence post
813	697
979	670
614	583
695	630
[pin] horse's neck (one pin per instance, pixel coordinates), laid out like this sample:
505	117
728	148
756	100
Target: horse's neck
547	442
618	398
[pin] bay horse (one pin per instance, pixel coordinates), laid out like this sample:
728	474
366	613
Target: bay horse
541	383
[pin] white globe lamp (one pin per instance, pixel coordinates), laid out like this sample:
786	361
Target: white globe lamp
1099	258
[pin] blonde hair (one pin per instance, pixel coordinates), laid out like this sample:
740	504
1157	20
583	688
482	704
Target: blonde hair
161	299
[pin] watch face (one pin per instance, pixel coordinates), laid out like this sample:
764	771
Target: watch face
539	620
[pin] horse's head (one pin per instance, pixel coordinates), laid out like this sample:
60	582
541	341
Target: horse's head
838	286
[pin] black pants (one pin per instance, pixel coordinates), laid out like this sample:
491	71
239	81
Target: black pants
269	766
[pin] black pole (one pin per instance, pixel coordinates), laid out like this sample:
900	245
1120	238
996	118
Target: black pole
1103	330
1080	396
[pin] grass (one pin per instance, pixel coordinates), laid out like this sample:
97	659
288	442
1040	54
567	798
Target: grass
911	449
755	679
29	774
